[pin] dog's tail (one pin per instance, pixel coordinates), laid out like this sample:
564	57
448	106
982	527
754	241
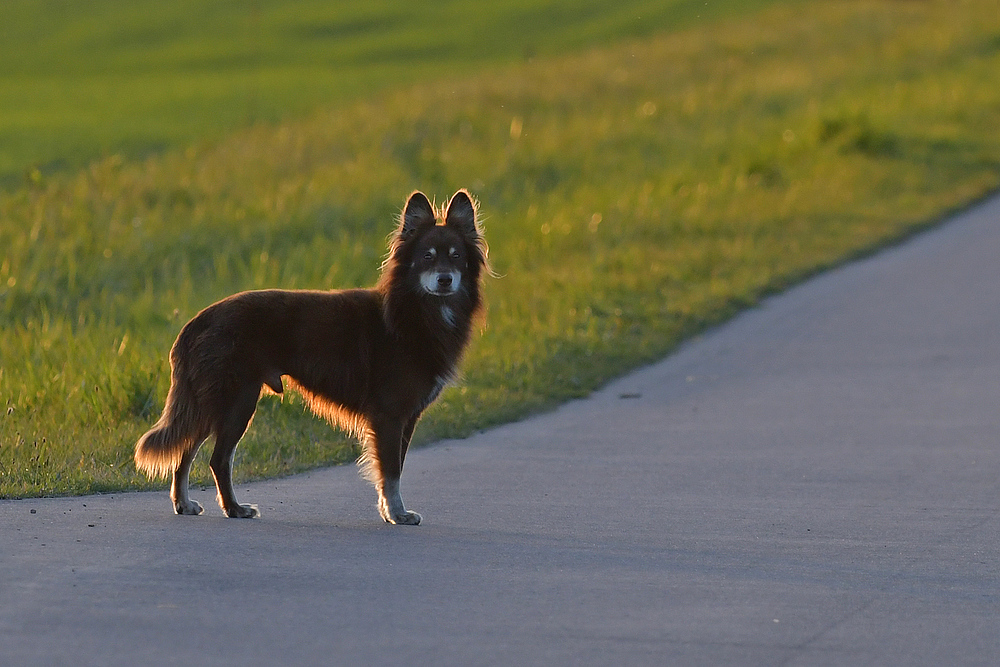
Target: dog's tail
159	452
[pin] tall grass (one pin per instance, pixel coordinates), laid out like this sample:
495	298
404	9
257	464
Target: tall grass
633	195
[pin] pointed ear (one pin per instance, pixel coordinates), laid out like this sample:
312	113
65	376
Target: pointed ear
417	213
462	214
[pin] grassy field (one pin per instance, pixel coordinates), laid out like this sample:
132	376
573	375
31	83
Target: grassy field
633	195
83	79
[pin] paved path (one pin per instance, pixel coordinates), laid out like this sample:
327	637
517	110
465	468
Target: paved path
814	483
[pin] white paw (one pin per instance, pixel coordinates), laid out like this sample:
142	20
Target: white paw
188	507
396	514
243	512
390	505
405	518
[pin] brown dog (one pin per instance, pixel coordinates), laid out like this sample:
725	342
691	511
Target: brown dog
368	360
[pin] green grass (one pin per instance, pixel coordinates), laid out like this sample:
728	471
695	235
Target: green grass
633	195
84	79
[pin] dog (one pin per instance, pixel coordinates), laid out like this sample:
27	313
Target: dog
368	360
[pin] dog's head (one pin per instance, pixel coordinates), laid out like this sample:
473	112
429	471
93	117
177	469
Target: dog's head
443	252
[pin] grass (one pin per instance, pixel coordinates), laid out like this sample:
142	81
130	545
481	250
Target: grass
633	194
86	79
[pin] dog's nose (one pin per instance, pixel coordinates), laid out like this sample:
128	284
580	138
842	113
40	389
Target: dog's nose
444	280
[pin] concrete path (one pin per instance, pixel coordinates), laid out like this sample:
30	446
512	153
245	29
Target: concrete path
815	483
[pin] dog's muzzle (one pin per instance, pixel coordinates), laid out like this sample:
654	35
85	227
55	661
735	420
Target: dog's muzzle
441	283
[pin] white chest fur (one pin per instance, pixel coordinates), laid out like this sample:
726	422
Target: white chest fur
448	315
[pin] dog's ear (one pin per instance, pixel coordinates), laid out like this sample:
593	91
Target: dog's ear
417	213
462	214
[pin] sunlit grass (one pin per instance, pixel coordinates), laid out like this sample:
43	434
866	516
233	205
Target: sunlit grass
81	80
632	195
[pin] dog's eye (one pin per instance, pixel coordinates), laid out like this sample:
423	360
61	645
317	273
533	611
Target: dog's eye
428	255
455	254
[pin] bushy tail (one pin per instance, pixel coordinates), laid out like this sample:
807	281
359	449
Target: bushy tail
159	451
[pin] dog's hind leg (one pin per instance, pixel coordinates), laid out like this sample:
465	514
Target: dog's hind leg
407	436
179	484
389	449
228	432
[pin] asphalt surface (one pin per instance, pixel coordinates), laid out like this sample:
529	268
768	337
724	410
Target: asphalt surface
814	483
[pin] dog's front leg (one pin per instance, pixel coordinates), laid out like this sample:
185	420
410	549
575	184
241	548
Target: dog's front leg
389	450
390	504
